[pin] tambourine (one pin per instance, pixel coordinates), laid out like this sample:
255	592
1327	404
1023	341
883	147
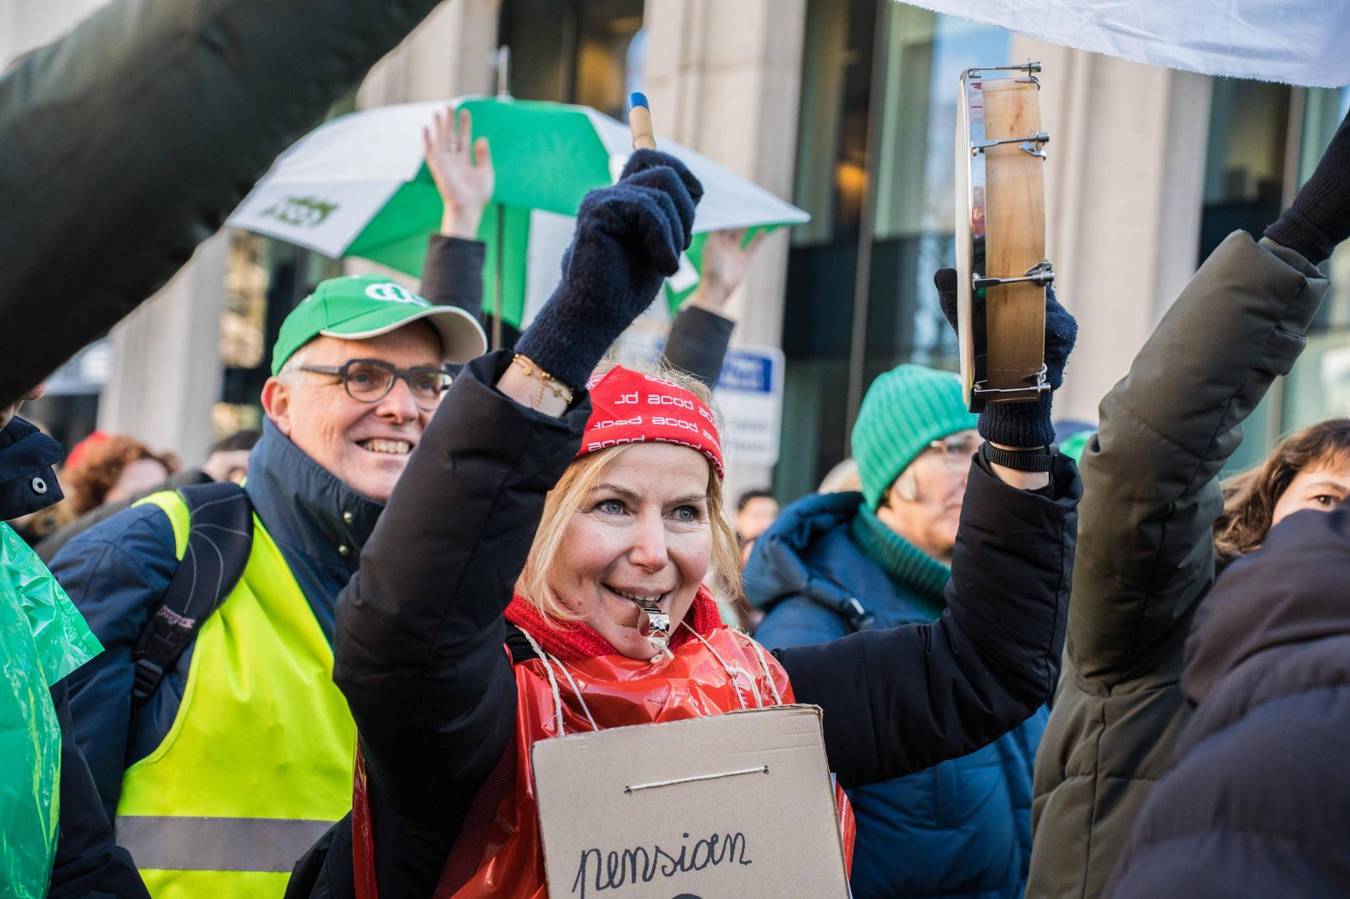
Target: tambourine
1000	236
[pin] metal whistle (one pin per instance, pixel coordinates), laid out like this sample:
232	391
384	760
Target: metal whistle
657	626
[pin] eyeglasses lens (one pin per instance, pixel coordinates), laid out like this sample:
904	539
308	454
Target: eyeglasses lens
368	382
957	452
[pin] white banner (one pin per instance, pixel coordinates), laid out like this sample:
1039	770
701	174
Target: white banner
1303	42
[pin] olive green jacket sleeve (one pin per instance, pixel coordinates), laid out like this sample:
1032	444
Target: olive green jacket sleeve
126	143
1145	552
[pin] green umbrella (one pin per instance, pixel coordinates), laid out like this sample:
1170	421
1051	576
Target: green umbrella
359	186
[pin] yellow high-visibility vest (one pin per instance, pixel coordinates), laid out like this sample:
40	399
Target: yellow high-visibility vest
258	762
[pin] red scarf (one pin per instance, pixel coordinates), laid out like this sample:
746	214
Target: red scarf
573	641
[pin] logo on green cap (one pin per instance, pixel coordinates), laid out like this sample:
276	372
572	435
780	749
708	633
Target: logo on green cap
389	292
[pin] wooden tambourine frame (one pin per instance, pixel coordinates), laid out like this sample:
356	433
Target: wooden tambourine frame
1000	236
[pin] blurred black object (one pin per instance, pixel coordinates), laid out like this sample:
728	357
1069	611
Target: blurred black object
127	142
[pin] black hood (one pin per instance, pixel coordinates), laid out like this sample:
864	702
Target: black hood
1293	591
27	482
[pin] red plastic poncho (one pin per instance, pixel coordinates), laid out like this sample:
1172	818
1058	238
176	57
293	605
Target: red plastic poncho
721	672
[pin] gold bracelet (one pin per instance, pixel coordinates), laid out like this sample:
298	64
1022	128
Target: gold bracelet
546	380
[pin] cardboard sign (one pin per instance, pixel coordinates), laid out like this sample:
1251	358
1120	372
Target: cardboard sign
740	805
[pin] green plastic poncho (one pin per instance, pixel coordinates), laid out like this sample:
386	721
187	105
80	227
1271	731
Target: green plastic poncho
42	639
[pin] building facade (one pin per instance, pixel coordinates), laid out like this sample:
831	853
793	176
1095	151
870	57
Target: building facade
847	108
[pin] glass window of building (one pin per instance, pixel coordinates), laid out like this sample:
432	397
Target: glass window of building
1264	142
875	161
1319	385
1245	173
579	51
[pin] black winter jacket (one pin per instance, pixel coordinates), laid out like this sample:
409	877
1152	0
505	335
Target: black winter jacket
1257	802
418	651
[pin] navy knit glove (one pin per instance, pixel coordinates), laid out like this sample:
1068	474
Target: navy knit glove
1319	218
628	240
1021	424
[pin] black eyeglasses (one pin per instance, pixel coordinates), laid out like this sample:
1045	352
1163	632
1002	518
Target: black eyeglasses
957	449
370	380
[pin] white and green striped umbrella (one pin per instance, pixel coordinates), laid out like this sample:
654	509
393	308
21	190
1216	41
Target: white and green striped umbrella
359	186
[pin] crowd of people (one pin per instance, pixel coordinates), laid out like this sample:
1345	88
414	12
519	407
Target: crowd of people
325	678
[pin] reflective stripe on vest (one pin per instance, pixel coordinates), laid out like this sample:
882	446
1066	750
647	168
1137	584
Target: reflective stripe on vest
258	761
217	844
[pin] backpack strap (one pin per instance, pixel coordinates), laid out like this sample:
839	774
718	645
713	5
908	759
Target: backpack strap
211	561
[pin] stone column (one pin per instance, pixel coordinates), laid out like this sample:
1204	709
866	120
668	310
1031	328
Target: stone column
166	374
1124	194
725	79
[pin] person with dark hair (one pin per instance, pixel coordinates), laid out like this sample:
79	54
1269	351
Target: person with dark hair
1309	469
755	511
1155	527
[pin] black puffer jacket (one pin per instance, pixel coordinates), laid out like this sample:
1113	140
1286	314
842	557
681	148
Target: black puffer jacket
418	652
1258	800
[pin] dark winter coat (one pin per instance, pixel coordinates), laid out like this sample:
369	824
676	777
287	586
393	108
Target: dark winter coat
87	862
434	695
961	828
1257	802
1145	553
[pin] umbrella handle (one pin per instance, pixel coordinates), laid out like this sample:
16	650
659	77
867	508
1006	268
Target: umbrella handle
640	122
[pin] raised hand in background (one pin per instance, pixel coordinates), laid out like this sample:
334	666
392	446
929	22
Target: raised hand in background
726	259
628	240
462	171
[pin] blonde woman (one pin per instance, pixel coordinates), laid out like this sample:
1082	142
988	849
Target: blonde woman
539	570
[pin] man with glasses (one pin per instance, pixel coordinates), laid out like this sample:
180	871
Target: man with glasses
241	754
833	564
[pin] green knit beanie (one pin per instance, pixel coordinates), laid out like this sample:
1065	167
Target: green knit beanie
905	409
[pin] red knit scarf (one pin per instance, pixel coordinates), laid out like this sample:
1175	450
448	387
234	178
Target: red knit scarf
573	641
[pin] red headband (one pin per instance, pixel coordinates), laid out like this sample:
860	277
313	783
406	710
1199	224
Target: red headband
628	407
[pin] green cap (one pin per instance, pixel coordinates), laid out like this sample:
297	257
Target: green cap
358	308
904	410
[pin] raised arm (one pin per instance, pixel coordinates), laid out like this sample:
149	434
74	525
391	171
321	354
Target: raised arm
701	332
1152	495
1145	551
452	273
419	646
903	699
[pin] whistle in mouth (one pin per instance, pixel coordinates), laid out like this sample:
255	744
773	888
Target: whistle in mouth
657	626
